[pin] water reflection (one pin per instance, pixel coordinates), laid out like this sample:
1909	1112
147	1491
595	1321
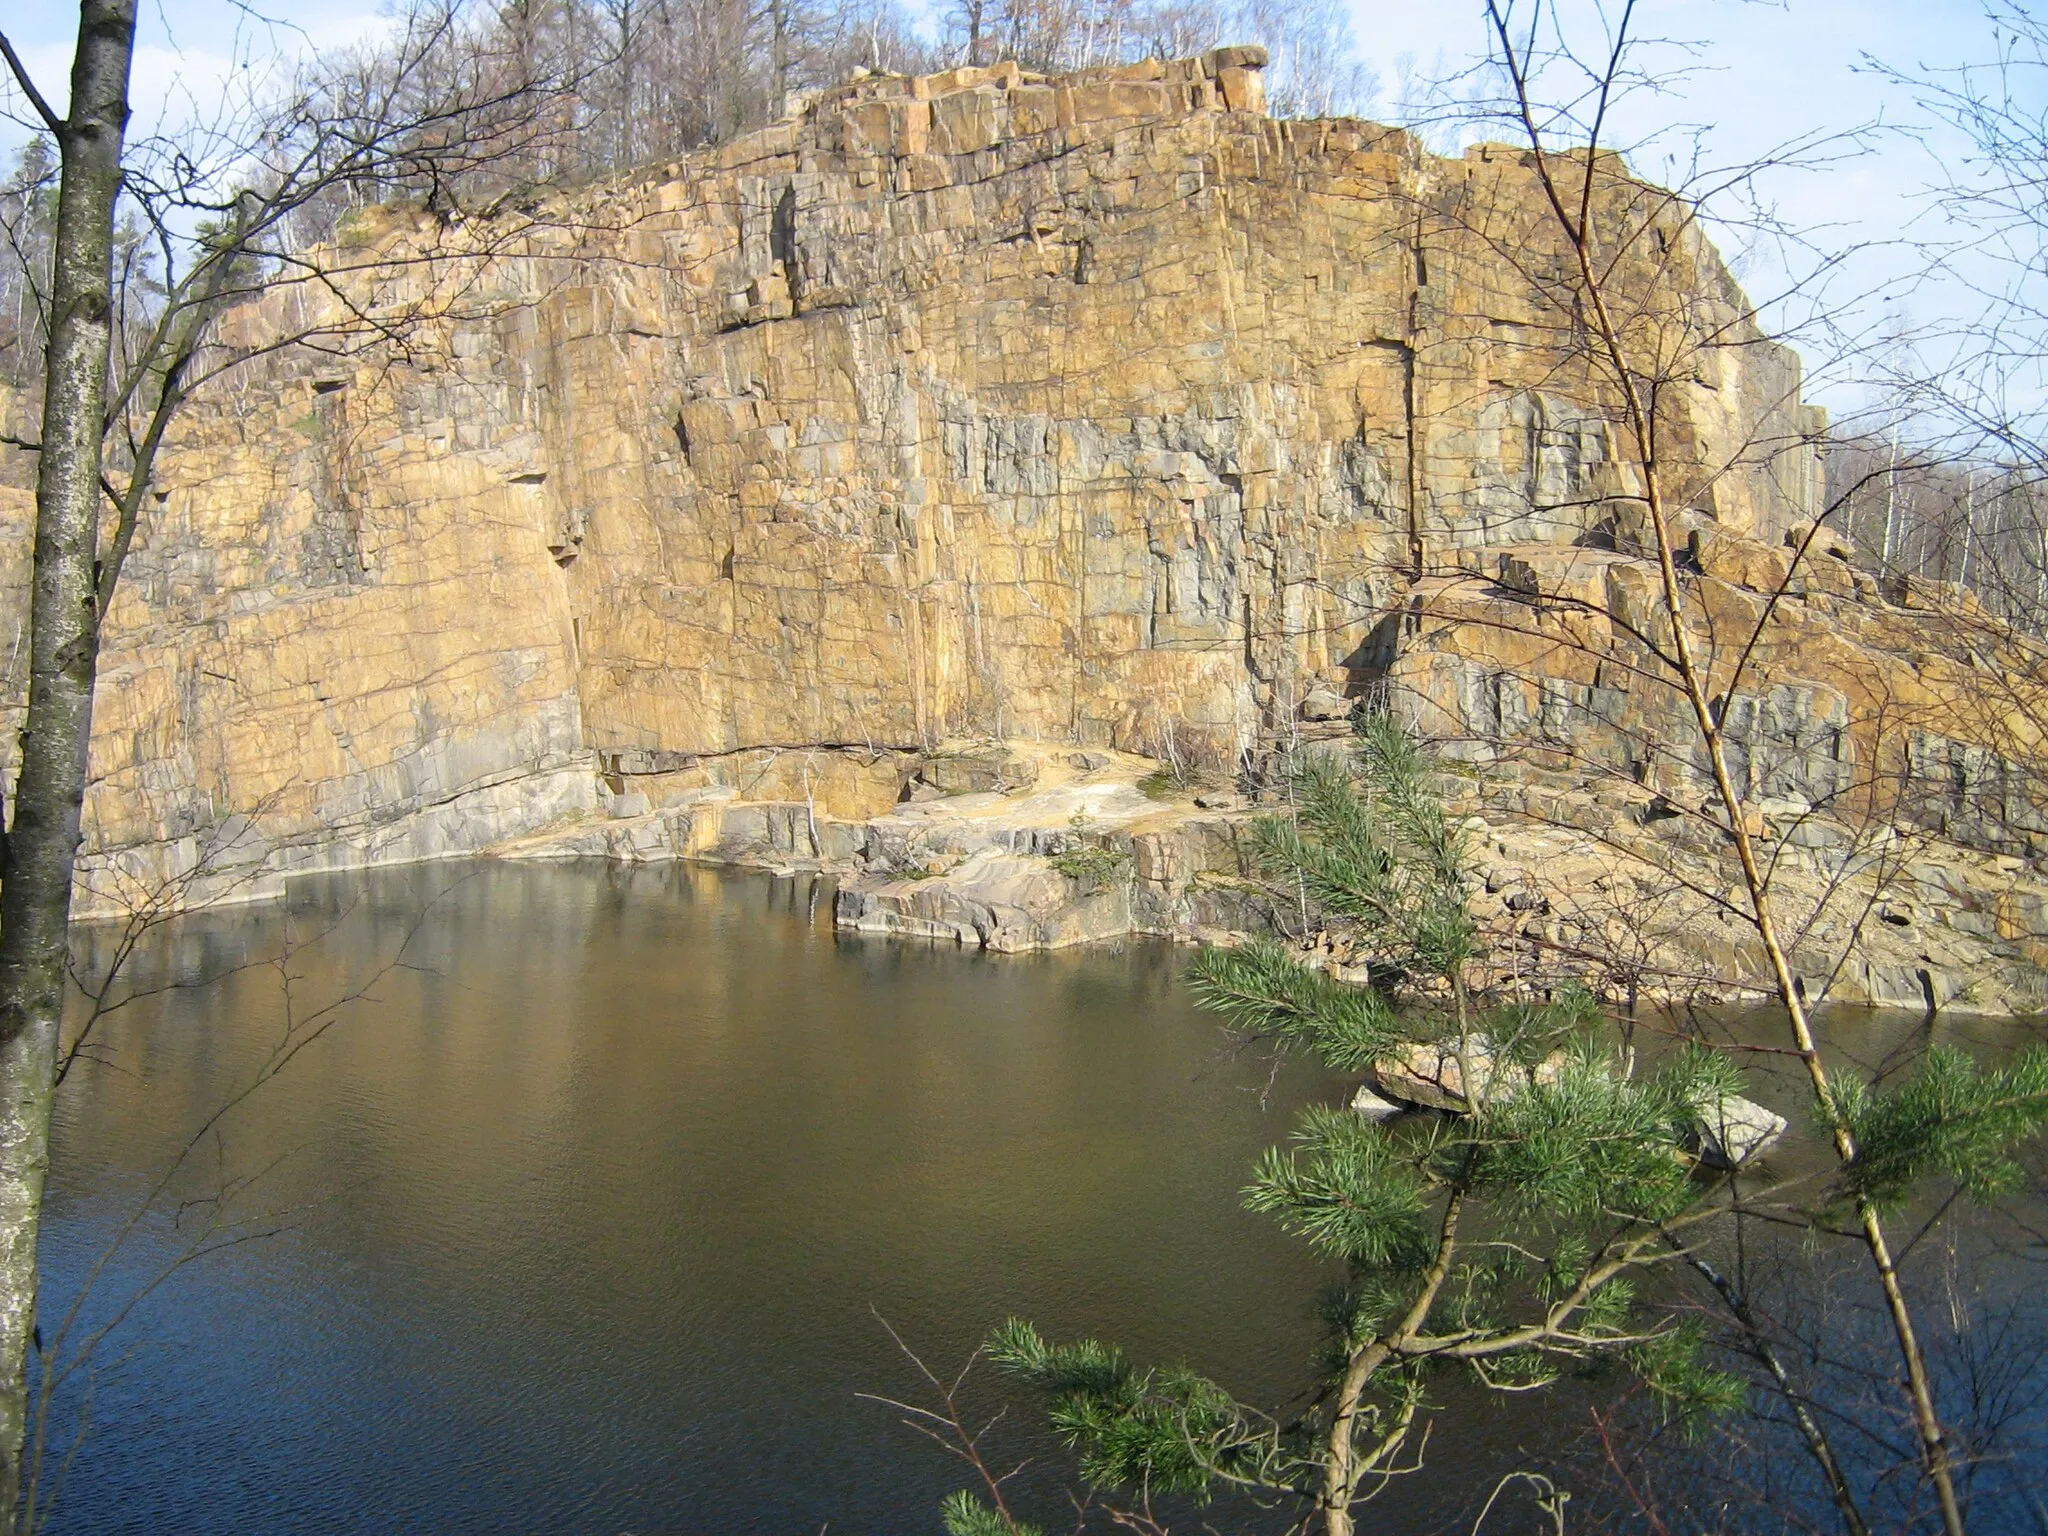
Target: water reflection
587	1183
587	1198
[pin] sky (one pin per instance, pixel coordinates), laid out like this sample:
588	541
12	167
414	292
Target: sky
1760	75
1765	72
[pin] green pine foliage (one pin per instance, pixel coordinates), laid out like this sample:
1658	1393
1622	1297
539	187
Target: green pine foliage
1092	864
1597	1142
964	1515
1350	1190
1504	1244
1263	990
1370	842
1513	1244
1950	1120
1670	1364
1167	1430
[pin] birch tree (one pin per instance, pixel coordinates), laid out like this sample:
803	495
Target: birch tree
42	839
124	346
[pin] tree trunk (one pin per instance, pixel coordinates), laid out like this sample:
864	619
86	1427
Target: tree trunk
35	902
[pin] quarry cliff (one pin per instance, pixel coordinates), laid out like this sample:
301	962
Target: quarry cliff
976	434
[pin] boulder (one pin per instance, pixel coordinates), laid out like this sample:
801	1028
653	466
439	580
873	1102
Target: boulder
1735	1132
1325	704
1374	1107
1428	1073
1518	576
979	771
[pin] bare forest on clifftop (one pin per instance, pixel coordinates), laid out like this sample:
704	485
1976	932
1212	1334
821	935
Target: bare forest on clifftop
633	82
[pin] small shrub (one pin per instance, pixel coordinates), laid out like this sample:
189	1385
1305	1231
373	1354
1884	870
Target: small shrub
1162	784
1171	779
1092	864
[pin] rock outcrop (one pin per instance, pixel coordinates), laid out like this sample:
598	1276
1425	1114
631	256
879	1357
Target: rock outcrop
1094	409
1101	413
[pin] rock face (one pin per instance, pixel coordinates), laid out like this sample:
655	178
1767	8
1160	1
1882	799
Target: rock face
1093	410
741	507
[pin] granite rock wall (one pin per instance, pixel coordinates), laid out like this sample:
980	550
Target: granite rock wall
1101	410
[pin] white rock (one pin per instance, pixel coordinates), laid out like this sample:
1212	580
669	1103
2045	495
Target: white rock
1325	704
1372	1106
1736	1131
1430	1074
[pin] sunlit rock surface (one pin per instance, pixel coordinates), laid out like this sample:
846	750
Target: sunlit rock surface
714	511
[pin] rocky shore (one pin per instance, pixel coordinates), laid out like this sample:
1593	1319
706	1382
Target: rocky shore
1022	846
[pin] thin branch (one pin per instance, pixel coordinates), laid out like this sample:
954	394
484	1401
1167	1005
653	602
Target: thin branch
22	78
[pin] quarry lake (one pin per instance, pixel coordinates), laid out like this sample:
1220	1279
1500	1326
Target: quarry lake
588	1212
583	1217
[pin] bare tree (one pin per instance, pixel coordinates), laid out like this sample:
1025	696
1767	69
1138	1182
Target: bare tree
42	844
1638	352
126	341
1979	382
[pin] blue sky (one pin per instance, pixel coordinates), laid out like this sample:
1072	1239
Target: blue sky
1766	71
